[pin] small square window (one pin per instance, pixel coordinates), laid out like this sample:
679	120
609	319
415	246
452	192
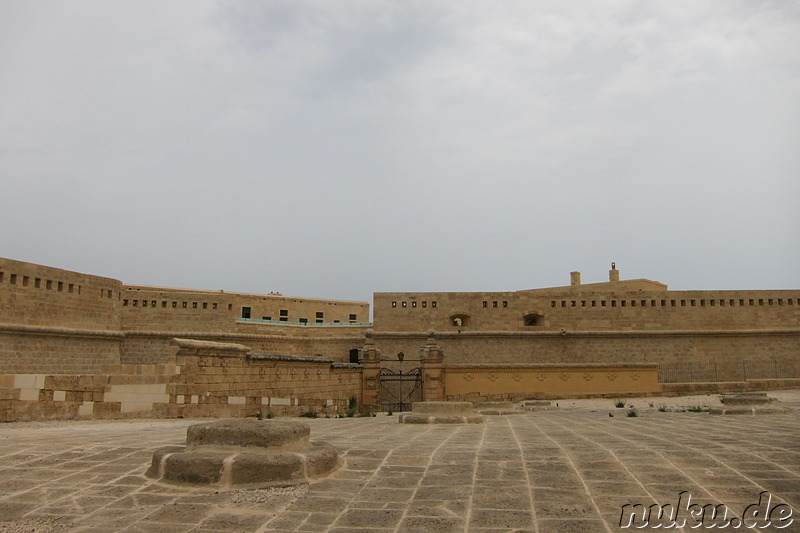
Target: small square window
284	319
303	321
37	282
174	305
424	304
319	321
552	303
404	304
494	304
136	303
164	304
414	303
266	318
485	303
320	314
205	305
505	303
25	280
394	304
13	279
144	303
433	304
672	303
124	303
602	303
214	305
284	312
353	317
153	303
49	284
185	305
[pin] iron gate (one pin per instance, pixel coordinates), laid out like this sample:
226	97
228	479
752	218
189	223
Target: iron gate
399	390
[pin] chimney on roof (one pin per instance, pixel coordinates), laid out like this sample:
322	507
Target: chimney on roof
575	278
613	274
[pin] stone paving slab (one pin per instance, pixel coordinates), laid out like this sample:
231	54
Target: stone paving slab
566	470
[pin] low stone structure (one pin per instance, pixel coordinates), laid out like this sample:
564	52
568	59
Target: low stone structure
538	405
244	453
498	408
441	413
748	403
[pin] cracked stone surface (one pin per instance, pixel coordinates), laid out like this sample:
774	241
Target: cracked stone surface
566	470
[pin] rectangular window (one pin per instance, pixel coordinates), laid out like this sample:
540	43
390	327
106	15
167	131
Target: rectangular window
185	305
136	303
320	314
284	319
732	302
414	303
644	303
602	303
337	322
49	284
394	304
741	301
769	301
780	301
433	304
25	280
505	303
485	303
404	304
2	276
552	303
583	303
494	304
633	303
663	303
672	303
594	303
124	303
712	302
108	294
790	301
693	303
37	282
153	303
760	301
624	303
266	318
284	312
652	303
205	305
752	302
613	303
563	303
245	312
303	321
144	303
683	303
214	305
163	304
353	318
572	303
230	307
424	304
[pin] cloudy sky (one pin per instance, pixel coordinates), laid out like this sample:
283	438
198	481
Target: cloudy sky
335	149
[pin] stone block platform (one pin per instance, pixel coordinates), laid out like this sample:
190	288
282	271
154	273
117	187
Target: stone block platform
441	413
244	453
569	470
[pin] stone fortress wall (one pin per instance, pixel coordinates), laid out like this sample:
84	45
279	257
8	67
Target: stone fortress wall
76	345
60	322
724	335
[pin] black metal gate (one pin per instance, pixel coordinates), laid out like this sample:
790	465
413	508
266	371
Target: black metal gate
400	389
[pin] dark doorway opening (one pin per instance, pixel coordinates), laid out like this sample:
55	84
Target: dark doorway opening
354	355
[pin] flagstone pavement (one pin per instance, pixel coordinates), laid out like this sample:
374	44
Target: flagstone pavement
569	470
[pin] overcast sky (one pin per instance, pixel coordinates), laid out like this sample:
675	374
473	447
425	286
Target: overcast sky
335	149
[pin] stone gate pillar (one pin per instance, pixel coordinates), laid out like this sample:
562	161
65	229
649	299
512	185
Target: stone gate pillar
371	375
432	358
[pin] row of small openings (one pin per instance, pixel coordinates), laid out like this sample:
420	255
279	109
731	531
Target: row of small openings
49	284
494	304
732	302
165	304
284	316
414	304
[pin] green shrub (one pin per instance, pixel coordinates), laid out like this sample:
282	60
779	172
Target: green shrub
619	404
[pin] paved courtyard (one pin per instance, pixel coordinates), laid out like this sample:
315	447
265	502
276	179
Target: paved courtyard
570	470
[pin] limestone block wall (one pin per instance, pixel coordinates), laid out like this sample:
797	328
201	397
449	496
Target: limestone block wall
580	309
121	391
206	379
225	379
730	352
56	321
480	383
